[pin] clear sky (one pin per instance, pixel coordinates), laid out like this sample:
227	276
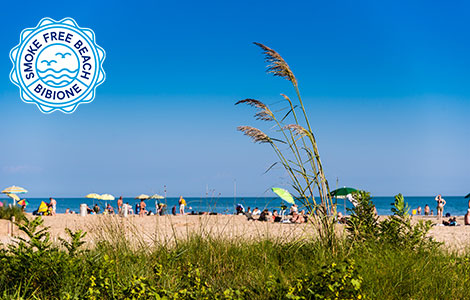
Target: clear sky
386	84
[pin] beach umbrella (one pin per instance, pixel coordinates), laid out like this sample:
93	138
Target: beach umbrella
284	195
342	192
142	197
468	196
14	197
157	196
23	202
107	197
14	190
93	196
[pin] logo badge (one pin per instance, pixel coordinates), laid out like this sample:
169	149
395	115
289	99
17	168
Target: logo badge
57	65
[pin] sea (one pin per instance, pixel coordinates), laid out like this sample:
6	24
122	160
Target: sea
456	206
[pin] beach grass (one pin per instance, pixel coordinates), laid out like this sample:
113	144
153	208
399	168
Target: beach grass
117	266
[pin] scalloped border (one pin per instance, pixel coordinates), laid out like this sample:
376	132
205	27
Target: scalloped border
69	109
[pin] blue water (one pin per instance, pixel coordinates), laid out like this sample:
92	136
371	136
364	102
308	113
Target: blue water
454	206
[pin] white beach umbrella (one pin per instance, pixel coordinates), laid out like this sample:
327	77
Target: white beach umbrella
156	196
142	197
14	190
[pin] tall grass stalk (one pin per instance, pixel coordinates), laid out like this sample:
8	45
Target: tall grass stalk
301	158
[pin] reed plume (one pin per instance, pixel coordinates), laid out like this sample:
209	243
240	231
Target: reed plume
277	65
257	135
301	158
264	113
297	129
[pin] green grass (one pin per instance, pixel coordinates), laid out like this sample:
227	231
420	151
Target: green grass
211	268
6	212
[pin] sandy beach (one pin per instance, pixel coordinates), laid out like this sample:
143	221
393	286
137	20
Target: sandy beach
168	228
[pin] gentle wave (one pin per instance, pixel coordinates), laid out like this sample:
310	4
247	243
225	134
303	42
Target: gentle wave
56	77
55	71
57	83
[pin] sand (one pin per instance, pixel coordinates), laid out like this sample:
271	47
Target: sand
166	229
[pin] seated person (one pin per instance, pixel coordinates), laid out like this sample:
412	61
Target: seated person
264	215
451	222
276	216
340	218
467	217
110	209
297	218
96	209
248	215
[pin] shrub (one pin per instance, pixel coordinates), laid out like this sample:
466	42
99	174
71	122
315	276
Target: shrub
332	281
6	212
362	224
397	230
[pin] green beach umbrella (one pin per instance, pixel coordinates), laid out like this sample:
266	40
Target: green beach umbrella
344	191
284	194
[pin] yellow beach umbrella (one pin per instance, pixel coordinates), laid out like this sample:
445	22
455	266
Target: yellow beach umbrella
107	197
142	197
12	190
14	197
93	196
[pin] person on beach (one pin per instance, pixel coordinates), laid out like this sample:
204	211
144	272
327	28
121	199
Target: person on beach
182	204
119	205
142	211
96	209
248	214
440	205
467	217
427	210
173	210
110	209
256	212
53	205
340	218
276	217
294	209
419	210
264	215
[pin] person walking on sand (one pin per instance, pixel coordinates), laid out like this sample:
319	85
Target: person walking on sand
119	204
182	204
53	205
440	205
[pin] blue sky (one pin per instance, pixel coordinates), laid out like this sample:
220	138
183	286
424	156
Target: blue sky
386	85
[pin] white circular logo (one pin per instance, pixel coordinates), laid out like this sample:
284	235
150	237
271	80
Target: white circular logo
57	65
